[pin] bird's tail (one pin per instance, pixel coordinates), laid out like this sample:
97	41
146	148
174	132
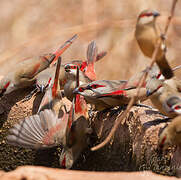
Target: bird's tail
165	68
91	58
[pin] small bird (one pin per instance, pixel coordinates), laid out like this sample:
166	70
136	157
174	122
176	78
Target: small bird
24	74
52	98
147	35
86	74
171	135
106	93
78	135
164	97
70	85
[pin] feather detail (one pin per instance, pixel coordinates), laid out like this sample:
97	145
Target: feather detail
39	131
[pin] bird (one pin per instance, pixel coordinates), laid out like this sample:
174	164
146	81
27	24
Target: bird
78	135
44	79
24	74
147	35
86	73
46	130
109	93
171	134
164	97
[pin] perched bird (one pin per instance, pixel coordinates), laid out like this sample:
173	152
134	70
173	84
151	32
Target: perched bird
147	35
171	135
86	74
164	97
106	94
24	74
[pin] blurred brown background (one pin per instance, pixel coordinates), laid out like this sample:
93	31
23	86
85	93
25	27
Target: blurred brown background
30	28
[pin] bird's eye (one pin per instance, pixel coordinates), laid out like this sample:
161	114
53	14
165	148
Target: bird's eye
94	86
67	67
177	107
81	89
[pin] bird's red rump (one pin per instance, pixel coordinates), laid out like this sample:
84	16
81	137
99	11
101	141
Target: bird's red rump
81	89
64	162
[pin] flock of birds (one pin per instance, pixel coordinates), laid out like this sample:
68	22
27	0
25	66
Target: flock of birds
53	125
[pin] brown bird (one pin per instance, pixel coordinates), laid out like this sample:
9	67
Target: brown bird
106	93
44	79
24	74
78	134
164	97
147	35
86	74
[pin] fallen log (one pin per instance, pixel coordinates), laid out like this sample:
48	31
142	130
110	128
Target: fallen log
133	148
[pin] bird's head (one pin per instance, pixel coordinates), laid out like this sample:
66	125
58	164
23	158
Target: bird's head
154	85
174	104
147	16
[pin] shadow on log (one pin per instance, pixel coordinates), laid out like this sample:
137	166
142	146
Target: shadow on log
133	148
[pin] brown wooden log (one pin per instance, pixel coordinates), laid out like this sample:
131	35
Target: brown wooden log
134	146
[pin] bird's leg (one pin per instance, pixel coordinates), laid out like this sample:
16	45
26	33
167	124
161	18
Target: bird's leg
29	96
